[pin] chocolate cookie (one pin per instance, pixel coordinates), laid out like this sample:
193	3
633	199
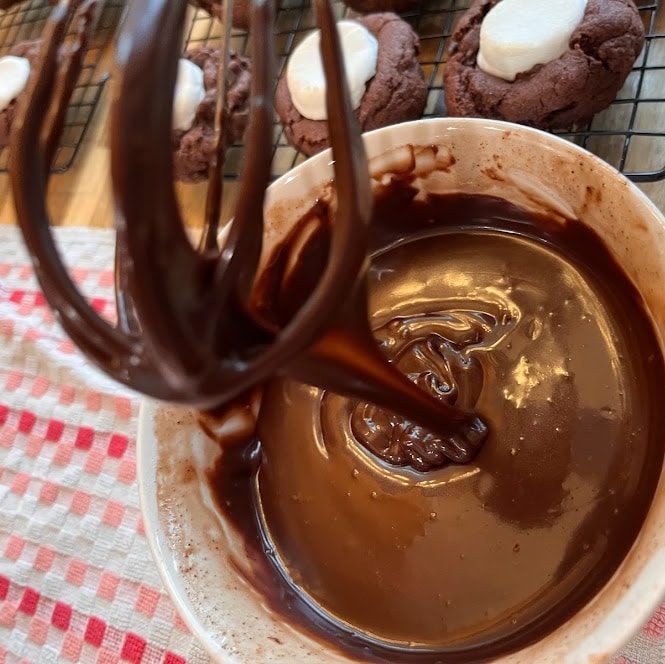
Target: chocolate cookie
242	10
561	94
25	49
396	93
193	148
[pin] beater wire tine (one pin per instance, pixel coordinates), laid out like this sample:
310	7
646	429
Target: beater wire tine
124	303
87	14
168	281
354	208
215	192
29	169
240	255
348	251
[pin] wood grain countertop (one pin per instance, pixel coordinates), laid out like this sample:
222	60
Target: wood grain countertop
81	196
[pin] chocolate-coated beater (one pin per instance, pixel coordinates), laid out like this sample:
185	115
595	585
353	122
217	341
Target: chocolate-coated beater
186	332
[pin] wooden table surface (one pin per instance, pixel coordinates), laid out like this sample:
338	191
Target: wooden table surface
81	196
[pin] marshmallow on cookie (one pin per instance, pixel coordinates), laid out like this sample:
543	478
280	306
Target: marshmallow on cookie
14	74
189	93
306	79
517	35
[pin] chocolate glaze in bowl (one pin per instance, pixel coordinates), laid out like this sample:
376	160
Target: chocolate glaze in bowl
531	169
531	325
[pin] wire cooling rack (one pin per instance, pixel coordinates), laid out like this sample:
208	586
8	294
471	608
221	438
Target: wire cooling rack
630	134
26	21
627	134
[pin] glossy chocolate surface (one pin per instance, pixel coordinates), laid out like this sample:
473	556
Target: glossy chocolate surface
531	323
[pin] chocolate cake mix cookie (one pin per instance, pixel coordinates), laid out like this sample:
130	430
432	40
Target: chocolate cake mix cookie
395	93
28	52
193	145
560	94
242	10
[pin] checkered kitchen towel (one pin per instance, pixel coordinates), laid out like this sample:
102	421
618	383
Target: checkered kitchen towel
77	583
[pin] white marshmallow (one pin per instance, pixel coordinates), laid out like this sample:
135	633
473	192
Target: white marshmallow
189	93
304	73
517	35
14	74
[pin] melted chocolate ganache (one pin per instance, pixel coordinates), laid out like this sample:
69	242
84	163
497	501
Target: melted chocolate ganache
389	551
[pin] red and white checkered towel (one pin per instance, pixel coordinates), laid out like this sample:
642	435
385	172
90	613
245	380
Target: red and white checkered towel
77	583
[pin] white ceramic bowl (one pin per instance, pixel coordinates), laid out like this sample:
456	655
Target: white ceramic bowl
200	557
